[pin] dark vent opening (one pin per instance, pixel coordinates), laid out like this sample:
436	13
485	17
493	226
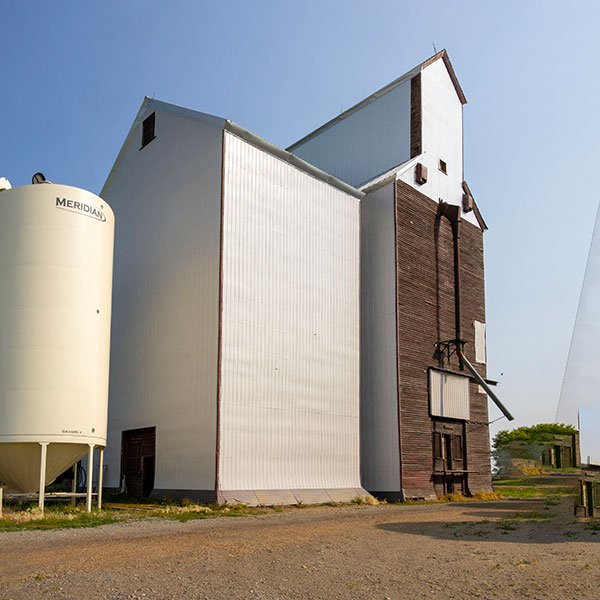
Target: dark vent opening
443	167
421	174
148	129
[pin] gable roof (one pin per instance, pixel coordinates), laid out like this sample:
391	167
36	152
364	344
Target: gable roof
442	54
227	125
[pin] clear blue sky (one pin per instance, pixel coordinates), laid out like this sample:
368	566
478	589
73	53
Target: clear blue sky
74	75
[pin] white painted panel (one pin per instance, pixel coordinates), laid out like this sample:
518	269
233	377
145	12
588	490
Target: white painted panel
367	143
441	134
480	342
290	329
167	200
579	393
448	395
442	138
380	468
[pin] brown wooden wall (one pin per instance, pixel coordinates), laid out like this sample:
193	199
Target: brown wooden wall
425	285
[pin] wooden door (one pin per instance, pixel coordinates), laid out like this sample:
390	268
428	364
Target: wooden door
138	447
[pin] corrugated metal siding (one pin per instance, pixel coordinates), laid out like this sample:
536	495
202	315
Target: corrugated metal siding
167	201
275	497
380	468
581	381
290	330
442	134
367	143
480	345
448	395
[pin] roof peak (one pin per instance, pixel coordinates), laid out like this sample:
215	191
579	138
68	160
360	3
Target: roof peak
444	56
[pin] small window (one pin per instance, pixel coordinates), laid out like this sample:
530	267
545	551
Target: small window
443	167
480	354
148	130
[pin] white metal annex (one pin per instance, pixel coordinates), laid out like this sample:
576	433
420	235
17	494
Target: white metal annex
236	315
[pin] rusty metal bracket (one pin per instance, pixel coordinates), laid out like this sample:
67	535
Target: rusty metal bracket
446	348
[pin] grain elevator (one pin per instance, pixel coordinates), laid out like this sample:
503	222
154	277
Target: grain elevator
300	325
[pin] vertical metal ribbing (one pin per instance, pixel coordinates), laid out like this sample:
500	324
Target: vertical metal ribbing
220	328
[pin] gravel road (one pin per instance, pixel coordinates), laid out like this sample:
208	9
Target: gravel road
448	551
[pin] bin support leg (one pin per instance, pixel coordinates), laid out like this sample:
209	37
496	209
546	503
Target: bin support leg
100	476
44	452
1	498
88	504
74	484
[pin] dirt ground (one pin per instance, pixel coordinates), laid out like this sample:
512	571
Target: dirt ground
449	551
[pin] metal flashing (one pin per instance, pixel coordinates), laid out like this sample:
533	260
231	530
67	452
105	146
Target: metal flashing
389	176
220	328
292	159
478	216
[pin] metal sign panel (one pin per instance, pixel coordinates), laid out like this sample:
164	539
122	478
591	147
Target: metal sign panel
448	395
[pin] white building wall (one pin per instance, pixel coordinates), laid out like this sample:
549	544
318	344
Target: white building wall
289	410
579	403
367	143
167	202
441	136
380	452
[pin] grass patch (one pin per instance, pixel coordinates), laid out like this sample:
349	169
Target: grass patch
507	527
552	501
534	515
368	499
54	518
127	509
532	487
571	534
523	492
479	496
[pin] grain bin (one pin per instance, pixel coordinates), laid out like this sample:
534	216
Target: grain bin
56	252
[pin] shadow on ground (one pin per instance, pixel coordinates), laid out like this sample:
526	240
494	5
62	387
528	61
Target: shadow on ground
523	522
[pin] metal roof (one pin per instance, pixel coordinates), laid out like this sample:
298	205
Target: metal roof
442	54
226	124
392	175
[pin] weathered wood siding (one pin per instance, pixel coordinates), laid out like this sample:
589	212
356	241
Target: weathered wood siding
425	290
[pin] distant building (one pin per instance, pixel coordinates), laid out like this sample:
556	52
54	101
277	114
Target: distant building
515	458
588	503
265	298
